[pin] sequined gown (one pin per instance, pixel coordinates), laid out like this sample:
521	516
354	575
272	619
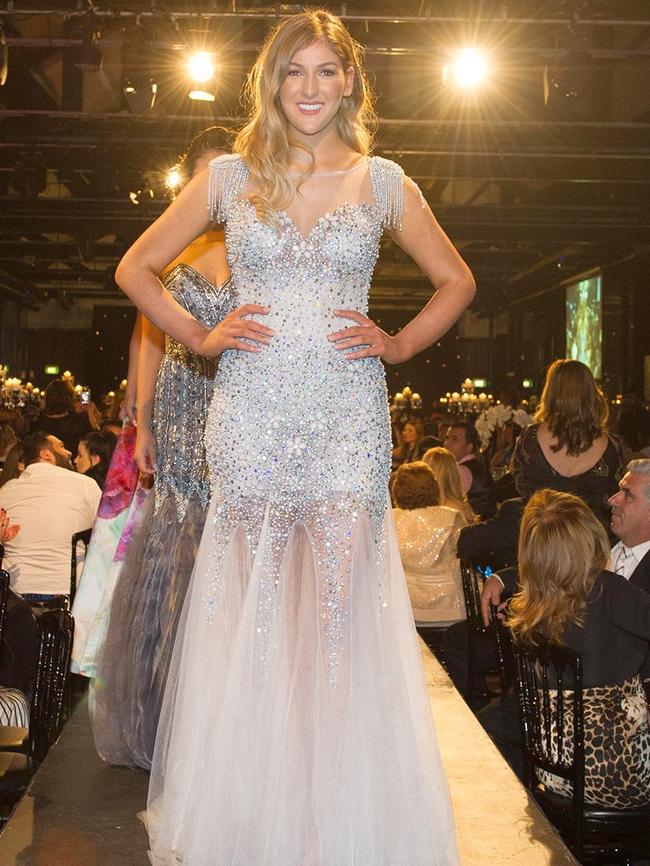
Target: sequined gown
296	728
146	604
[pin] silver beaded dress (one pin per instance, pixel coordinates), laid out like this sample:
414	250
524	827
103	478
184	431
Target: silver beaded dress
296	728
134	659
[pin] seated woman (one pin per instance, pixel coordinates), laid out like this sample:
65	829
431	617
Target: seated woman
427	534
567	597
568	447
94	454
445	470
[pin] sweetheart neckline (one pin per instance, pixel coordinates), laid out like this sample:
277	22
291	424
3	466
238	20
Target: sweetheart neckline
328	215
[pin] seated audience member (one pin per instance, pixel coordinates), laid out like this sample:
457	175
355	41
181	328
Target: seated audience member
14	464
630	557
94	455
7	441
18	658
427	534
410	444
463	442
60	418
50	502
445	470
568	448
567	596
491	543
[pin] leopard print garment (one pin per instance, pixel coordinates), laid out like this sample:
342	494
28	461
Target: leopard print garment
617	747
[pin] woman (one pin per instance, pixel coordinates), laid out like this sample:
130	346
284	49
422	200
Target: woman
94	455
568	447
445	471
427	535
174	388
567	597
296	660
60	418
411	439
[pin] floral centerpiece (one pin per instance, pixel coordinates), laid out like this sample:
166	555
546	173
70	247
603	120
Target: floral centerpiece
497	416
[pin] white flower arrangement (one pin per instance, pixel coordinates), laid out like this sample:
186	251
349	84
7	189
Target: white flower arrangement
498	416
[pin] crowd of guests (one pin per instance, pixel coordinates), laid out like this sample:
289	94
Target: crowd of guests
51	483
567	555
557	515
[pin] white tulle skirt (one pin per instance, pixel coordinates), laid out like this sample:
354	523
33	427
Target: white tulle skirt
263	756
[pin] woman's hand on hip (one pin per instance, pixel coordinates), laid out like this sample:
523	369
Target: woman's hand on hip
365	340
234	329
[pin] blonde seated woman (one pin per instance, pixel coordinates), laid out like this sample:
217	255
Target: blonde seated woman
445	469
427	534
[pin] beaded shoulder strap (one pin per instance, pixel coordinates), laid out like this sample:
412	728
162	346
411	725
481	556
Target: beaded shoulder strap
388	186
228	178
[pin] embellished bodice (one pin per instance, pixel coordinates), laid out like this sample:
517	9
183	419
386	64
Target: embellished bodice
297	435
183	392
310	406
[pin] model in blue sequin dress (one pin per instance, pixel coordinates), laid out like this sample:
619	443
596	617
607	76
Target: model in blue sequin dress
133	661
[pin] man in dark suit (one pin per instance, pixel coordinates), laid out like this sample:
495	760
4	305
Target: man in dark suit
463	442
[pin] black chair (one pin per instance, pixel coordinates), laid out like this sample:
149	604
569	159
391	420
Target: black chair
2	554
549	689
4	592
82	537
472	581
22	749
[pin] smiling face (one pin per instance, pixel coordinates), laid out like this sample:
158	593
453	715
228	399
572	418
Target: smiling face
314	87
631	509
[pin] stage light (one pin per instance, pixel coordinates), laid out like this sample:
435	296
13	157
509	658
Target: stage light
202	95
90	57
201	67
173	178
4	57
139	92
141	195
468	69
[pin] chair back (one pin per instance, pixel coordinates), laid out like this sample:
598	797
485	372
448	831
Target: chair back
4	593
56	631
82	537
473	579
549	685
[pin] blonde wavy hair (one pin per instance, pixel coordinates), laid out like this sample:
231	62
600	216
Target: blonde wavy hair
563	547
445	469
265	142
414	486
573	406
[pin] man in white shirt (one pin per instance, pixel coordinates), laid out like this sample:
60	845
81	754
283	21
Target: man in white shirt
50	503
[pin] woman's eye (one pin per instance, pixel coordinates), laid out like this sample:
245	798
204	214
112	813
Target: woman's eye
293	72
328	72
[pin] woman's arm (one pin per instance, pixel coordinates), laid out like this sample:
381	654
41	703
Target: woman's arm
430	248
127	409
183	221
152	349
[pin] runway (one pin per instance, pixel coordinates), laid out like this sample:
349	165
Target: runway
81	812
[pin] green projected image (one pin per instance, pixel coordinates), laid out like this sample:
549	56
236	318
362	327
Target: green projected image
584	333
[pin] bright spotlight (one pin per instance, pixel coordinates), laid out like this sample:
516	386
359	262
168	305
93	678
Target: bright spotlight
201	67
173	178
202	95
468	69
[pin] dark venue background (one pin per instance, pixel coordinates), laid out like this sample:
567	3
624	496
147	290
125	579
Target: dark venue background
539	176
